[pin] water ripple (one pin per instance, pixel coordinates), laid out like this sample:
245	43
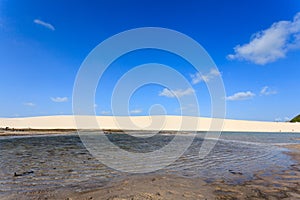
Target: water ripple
33	163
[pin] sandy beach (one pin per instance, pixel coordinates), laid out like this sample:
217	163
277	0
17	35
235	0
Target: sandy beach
163	123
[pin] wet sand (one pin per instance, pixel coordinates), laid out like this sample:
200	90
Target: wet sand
265	185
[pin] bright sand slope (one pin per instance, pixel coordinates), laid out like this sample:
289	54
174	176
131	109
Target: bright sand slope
147	123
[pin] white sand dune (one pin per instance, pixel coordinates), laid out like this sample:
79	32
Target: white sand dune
147	123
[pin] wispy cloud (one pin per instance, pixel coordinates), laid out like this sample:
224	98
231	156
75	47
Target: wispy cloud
105	112
30	104
279	119
136	111
44	24
188	109
176	93
267	91
197	78
271	44
59	99
240	96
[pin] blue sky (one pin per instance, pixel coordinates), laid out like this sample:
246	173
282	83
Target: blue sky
255	45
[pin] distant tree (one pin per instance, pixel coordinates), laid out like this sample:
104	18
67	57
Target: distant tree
296	119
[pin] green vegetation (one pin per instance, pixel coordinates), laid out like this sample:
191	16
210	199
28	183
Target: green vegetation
296	119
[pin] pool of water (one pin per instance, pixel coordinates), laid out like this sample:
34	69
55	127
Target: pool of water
39	162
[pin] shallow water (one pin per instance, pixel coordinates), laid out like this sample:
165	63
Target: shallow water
62	161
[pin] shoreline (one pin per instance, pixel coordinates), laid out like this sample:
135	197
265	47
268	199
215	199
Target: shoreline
49	132
34	132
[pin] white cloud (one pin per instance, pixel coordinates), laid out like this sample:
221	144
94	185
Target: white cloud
240	96
30	104
267	91
176	93
59	99
104	112
196	78
271	44
279	119
44	24
136	111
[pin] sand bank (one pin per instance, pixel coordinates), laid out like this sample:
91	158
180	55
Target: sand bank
147	123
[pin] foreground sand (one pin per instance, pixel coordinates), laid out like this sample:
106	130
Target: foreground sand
147	123
275	185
